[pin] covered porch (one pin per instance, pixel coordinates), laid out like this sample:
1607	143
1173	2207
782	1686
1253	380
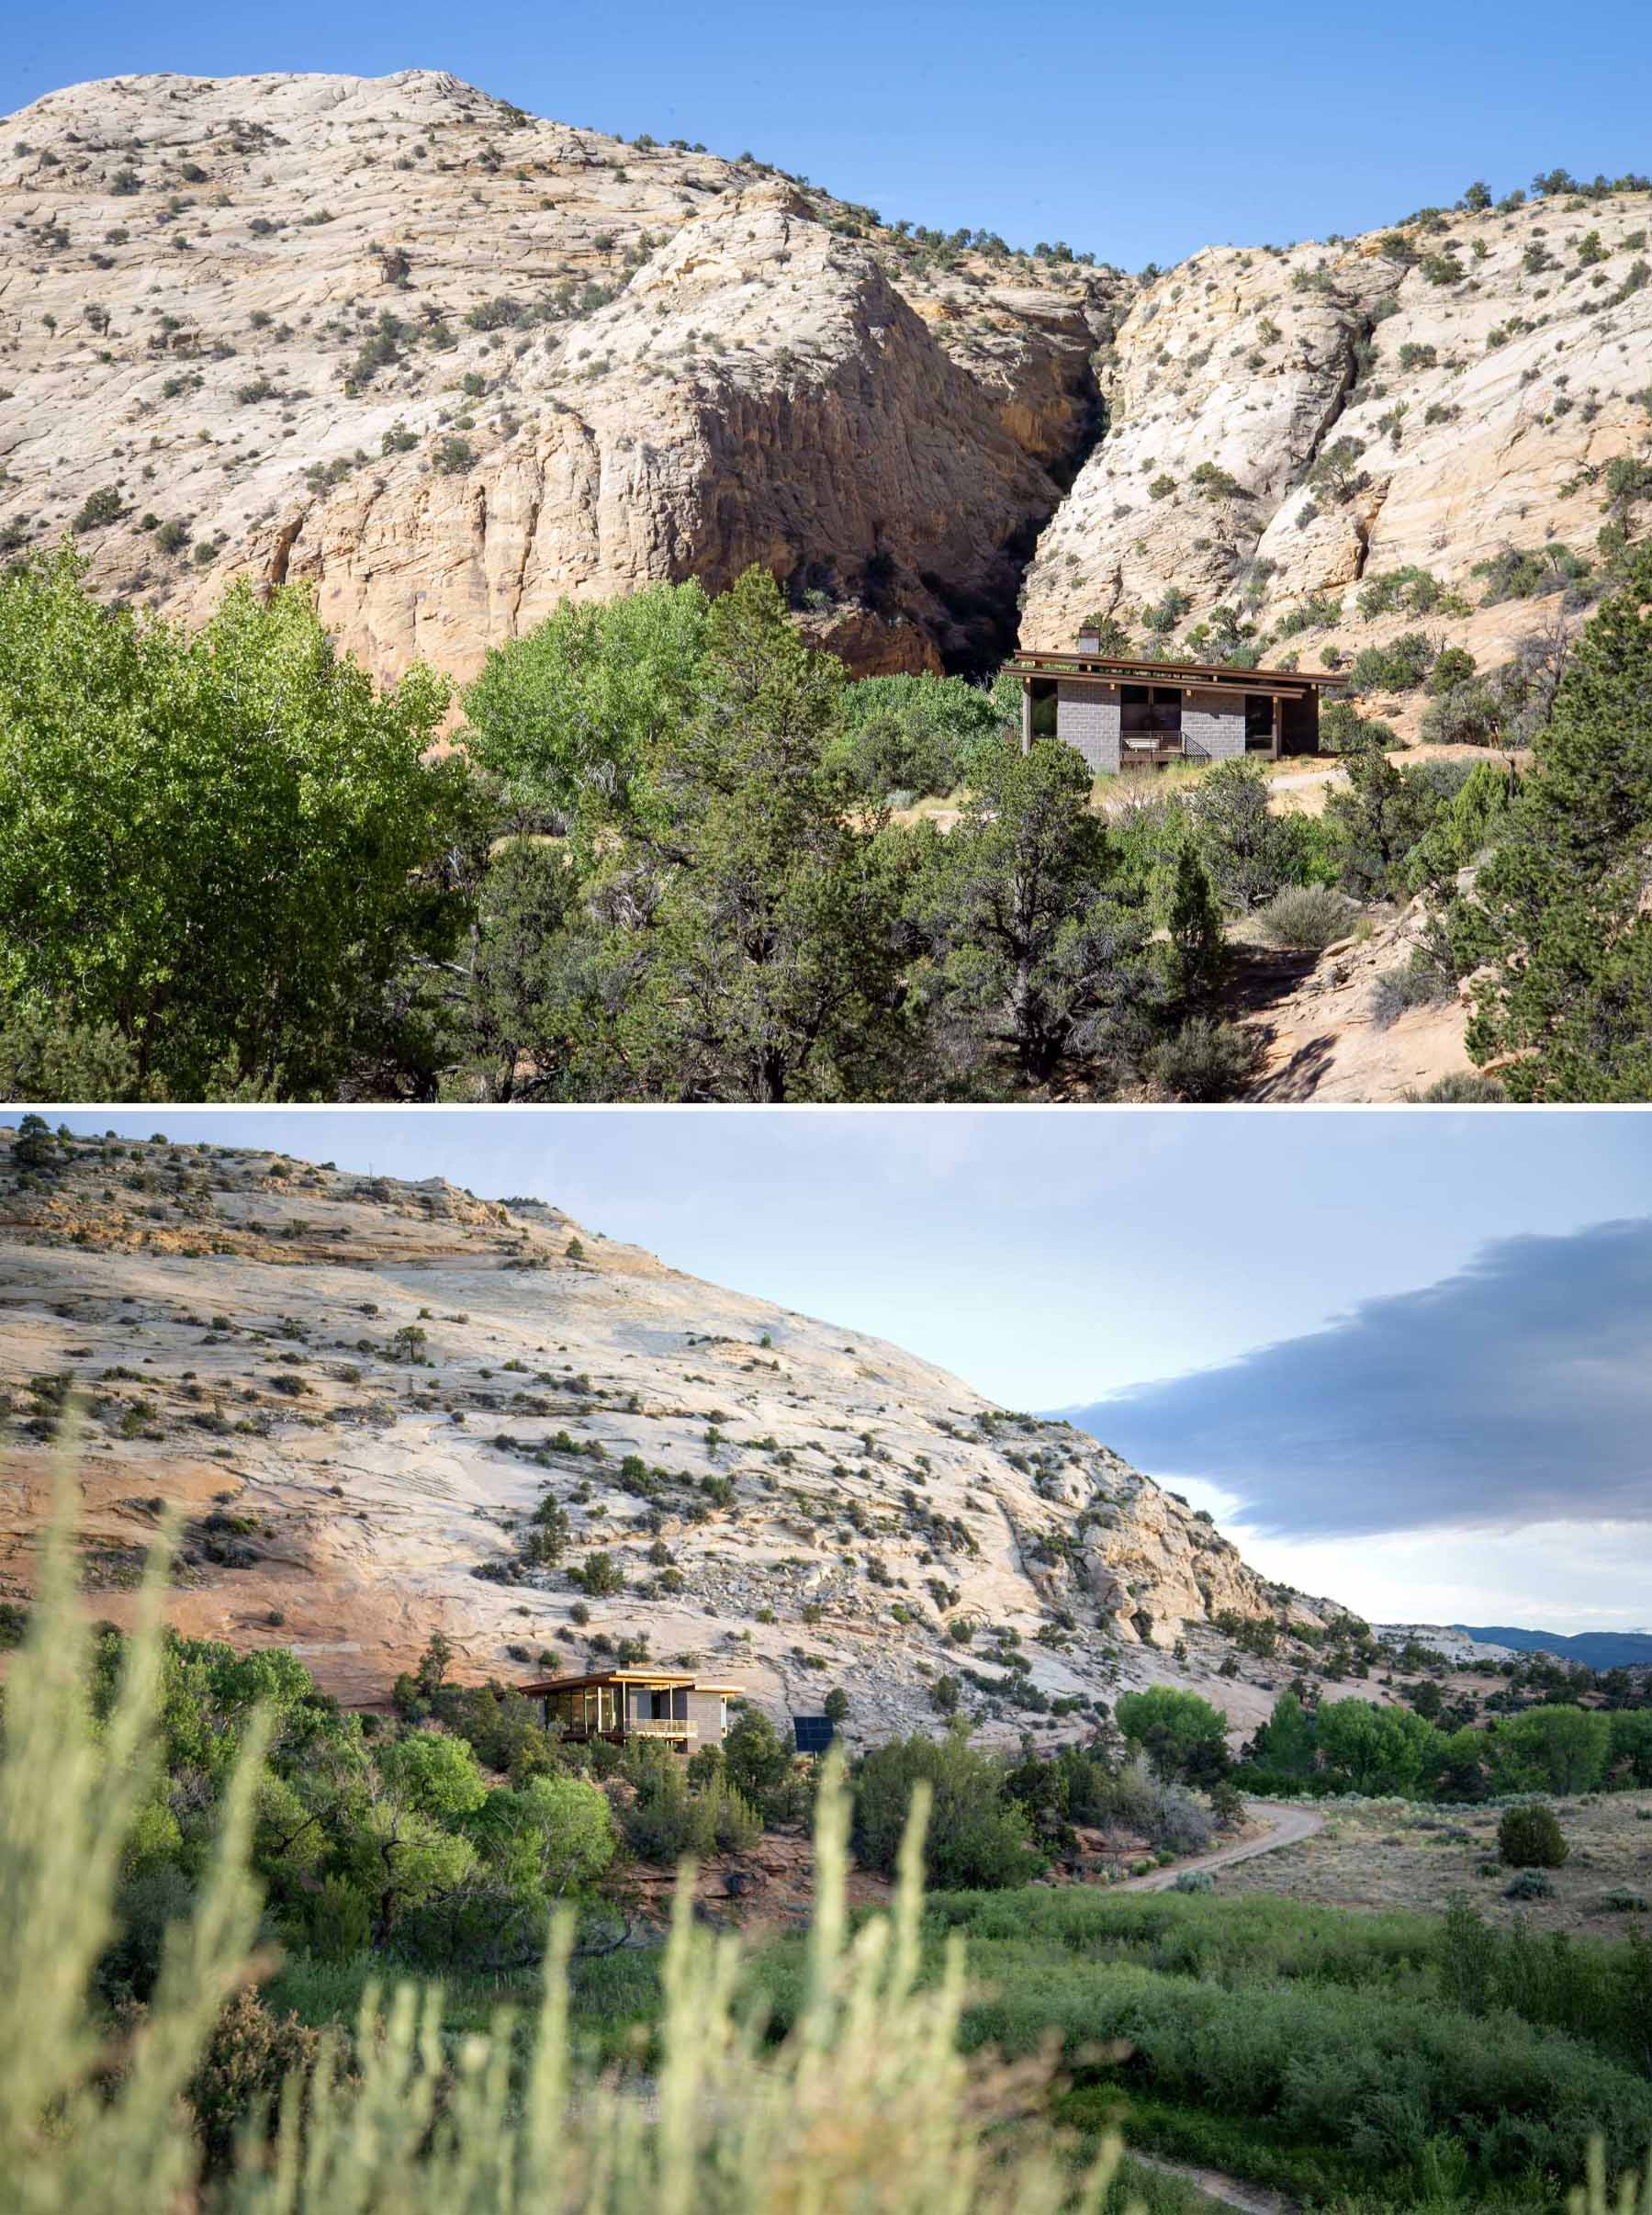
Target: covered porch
1124	714
620	1704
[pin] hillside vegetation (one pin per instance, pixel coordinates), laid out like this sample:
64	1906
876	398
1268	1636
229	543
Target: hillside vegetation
201	2097
673	863
447	362
387	1408
1385	2062
403	403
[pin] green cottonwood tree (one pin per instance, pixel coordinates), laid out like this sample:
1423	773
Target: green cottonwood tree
221	846
565	716
1285	1743
1560	1748
551	1836
434	1774
920	734
1184	1736
546	979
1374	1749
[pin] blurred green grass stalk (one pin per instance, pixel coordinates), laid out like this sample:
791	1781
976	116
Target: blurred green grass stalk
867	2105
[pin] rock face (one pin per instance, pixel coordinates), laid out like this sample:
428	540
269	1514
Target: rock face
448	362
1288	427
358	1391
1326	1041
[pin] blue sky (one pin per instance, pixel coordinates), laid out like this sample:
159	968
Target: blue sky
1397	1352
1140	133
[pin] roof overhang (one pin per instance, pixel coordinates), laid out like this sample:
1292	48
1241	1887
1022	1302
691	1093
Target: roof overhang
657	1679
1204	676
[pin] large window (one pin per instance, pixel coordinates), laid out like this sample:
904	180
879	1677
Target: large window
1043	707
1155	709
1259	722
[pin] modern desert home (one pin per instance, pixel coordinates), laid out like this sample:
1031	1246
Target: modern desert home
1122	714
622	1703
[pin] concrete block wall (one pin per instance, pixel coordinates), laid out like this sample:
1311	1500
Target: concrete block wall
1212	725
1088	716
706	1709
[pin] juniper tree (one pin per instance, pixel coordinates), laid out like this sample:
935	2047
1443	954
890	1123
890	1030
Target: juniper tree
1559	910
1036	949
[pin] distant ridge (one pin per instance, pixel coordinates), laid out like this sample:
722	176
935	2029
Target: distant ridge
1595	1650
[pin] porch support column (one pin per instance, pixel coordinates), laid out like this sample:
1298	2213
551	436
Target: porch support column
1278	724
1027	714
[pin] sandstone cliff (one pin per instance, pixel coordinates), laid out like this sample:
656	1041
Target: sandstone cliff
358	1391
1290	428
447	363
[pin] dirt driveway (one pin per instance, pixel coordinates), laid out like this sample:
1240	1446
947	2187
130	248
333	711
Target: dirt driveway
1289	1823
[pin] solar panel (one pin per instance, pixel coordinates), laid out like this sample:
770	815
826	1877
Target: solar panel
814	1733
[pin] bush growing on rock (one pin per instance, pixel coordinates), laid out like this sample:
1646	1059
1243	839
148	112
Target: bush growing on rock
1399	667
598	1576
1311	916
1462	1088
1206	1061
1418	983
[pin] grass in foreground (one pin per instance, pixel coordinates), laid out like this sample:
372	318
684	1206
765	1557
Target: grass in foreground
886	2083
1392	2058
869	2102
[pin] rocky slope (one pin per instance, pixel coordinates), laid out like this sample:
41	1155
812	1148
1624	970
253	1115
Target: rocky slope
1291	427
448	362
356	1392
1324	1039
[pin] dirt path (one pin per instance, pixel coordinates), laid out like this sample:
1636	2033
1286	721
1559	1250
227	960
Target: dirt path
1290	1824
1225	2190
1304	777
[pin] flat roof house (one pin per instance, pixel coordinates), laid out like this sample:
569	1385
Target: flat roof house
1123	715
682	1709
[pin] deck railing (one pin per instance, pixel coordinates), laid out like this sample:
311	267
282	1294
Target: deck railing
653	1728
1161	753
